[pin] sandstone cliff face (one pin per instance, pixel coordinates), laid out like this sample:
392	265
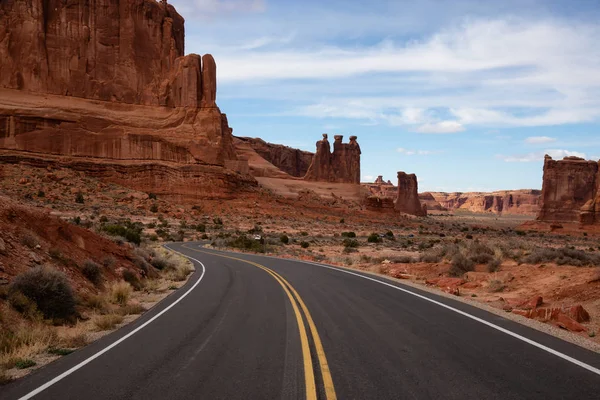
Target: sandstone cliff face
106	81
407	200
291	161
521	202
342	165
570	191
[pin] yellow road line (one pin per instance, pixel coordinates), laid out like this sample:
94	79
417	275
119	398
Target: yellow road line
325	372
309	374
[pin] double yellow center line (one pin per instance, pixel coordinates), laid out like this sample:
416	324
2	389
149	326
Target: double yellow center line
295	299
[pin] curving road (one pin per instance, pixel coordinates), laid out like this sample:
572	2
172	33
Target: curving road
251	327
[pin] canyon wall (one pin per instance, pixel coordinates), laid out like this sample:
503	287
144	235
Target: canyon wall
570	191
518	202
294	162
107	82
341	166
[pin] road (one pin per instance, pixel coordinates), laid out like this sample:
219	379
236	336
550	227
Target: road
251	327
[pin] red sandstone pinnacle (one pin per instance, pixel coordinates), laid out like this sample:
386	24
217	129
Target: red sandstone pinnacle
570	191
342	165
209	81
407	200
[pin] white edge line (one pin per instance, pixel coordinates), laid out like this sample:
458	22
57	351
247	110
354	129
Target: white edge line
482	321
130	334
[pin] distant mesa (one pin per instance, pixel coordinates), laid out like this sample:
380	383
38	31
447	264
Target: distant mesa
570	191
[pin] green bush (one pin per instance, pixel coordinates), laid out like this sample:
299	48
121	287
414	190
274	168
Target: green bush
92	272
201	228
130	232
479	253
284	239
79	198
303	233
49	289
152	196
154	208
349	234
304	245
562	256
353	243
246	243
217	221
374	238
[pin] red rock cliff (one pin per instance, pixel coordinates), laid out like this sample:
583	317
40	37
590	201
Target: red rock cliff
106	82
407	200
570	191
291	161
342	165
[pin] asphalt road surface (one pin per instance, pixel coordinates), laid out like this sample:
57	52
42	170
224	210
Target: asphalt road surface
251	327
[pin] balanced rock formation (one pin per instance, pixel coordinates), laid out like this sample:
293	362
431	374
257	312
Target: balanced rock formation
293	162
407	200
342	165
104	86
570	191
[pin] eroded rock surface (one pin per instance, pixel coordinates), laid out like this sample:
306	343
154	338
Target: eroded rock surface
407	200
106	82
291	161
570	191
342	165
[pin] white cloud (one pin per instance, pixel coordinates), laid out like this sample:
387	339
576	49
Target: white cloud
441	127
368	178
539	139
486	72
538	156
409	152
202	8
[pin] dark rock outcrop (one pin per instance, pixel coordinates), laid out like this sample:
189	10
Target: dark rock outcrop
407	200
291	161
570	191
342	165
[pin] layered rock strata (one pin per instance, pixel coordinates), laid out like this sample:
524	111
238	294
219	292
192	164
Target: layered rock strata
407	200
570	191
293	162
342	165
107	82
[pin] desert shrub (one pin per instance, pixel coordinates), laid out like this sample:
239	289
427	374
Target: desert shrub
204	236
151	225
153	238
374	238
480	253
349	234
494	265
496	286
92	272
79	198
433	256
162	263
201	228
152	196
41	193
29	240
181	272
154	208
342	220
403	260
460	265
284	239
304	245
217	221
131	232
303	233
131	309
246	243
120	292
350	243
107	322
49	289
95	302
24	363
562	256
132	278
389	235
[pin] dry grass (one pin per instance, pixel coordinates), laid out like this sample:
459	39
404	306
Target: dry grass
131	309
181	272
120	292
107	322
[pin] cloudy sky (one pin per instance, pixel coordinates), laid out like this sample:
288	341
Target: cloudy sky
467	94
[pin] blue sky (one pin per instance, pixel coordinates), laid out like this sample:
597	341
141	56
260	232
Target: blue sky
469	95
